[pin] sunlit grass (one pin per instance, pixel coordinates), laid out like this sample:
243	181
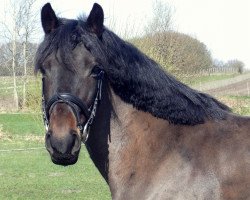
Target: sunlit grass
239	104
196	79
21	124
31	175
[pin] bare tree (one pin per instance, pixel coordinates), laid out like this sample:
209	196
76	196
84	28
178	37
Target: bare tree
17	25
180	54
11	27
235	64
29	27
162	20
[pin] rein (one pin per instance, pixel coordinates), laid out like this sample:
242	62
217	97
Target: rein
75	104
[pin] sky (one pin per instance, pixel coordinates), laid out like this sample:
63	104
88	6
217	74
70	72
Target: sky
222	25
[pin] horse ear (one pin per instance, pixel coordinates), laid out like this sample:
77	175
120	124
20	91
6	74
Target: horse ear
95	20
48	17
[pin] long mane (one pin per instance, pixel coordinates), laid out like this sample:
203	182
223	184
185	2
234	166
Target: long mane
136	78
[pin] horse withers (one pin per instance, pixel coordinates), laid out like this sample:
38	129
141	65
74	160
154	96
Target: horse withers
149	135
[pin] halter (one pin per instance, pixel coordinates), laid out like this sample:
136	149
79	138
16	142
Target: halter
75	104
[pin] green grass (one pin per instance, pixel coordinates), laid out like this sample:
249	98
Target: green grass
21	124
194	80
247	98
240	105
30	174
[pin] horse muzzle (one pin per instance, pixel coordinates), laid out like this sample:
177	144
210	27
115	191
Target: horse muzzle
65	150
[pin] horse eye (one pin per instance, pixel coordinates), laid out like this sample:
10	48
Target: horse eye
42	71
96	71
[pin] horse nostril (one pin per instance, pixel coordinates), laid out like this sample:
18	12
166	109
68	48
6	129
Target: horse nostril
47	135
48	142
76	144
69	144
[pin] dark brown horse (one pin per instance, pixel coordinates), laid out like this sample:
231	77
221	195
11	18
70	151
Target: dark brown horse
150	136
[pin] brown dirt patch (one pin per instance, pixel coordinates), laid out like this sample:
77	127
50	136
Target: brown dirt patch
241	88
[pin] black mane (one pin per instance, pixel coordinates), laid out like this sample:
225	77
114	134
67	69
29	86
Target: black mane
133	76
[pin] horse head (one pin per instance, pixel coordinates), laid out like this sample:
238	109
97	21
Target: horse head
72	82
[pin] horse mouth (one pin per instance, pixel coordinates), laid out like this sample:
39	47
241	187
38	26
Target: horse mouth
64	159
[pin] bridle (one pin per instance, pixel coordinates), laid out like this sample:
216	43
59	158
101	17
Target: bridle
76	104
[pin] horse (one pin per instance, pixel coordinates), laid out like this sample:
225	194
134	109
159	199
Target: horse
149	135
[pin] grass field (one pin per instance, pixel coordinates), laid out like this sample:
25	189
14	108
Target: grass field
196	79
29	174
21	123
239	104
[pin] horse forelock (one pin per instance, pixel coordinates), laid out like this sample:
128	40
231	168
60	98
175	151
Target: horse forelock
62	39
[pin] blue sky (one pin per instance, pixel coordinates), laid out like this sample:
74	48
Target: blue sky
223	25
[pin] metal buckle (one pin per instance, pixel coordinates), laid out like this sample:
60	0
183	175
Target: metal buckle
84	132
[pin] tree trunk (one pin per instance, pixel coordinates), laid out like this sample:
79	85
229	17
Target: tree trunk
15	95
25	72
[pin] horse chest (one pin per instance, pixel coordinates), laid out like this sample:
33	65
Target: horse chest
176	185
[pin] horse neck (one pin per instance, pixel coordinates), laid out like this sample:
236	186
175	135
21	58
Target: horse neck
137	145
123	140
